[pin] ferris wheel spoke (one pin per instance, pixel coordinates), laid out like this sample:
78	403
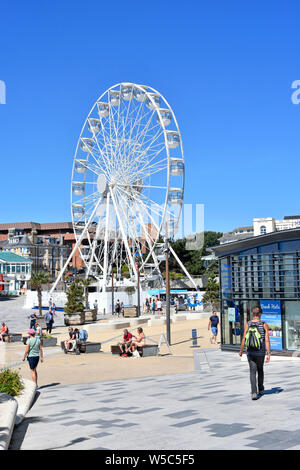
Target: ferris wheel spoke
149	170
133	124
122	231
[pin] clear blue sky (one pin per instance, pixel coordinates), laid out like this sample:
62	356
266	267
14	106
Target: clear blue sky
226	68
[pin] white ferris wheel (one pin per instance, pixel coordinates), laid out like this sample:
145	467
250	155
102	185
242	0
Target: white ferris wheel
127	183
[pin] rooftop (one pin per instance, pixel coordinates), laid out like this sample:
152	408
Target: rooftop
37	226
9	257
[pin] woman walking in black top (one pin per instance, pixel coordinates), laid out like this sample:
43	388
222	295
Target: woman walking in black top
256	358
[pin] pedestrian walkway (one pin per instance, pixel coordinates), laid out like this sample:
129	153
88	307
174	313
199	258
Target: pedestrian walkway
204	409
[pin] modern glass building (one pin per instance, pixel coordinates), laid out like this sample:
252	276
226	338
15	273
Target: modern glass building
261	271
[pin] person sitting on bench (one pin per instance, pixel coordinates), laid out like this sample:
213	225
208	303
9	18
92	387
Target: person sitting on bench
139	340
71	342
82	335
3	332
125	344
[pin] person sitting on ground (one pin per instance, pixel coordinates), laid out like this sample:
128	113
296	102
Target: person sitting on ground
125	344
3	332
139	340
72	337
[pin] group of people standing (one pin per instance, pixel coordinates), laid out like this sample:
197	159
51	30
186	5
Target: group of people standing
153	305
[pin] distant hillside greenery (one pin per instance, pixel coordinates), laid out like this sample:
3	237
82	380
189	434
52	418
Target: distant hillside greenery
192	258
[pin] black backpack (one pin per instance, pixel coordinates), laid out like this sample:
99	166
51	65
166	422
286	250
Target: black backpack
253	341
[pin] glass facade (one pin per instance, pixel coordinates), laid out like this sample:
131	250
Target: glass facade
267	276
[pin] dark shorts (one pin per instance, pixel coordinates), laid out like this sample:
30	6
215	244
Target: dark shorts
33	361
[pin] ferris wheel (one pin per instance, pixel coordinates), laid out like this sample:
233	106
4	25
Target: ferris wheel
127	183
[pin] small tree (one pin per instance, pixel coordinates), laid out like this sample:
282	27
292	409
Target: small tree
37	282
211	296
86	283
75	297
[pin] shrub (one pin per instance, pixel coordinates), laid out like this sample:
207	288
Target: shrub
10	382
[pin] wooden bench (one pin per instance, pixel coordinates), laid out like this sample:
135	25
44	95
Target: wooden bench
145	351
82	347
12	337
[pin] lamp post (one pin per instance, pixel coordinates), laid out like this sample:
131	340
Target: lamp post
166	250
138	290
112	291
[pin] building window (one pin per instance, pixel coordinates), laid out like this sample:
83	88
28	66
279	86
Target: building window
263	230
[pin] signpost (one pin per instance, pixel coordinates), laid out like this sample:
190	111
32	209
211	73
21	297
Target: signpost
271	314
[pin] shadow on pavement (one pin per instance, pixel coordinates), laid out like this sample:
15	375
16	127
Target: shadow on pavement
20	431
273	390
54	384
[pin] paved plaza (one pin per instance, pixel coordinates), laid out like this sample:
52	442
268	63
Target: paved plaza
13	313
205	409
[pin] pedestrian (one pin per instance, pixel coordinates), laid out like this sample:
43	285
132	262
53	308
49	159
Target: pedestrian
50	303
159	305
122	309
96	306
213	324
53	309
153	306
176	301
38	331
118	308
33	320
33	353
257	341
49	321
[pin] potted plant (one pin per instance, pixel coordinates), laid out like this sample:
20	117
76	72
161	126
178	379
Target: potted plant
74	308
48	340
90	314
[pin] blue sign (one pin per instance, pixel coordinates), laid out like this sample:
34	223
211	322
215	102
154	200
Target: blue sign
194	337
271	314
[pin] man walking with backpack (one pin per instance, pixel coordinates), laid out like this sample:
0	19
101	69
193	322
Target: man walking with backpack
257	342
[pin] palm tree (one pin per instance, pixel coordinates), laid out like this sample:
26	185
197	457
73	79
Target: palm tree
37	281
86	283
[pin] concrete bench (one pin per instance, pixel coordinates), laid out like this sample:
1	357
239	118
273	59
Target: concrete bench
13	337
83	347
145	351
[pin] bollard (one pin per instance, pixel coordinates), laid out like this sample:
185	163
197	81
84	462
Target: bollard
194	338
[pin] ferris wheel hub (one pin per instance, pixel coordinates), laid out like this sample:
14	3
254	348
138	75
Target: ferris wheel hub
102	184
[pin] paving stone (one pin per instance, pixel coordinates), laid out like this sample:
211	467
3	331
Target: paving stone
181	414
188	423
187	411
222	430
